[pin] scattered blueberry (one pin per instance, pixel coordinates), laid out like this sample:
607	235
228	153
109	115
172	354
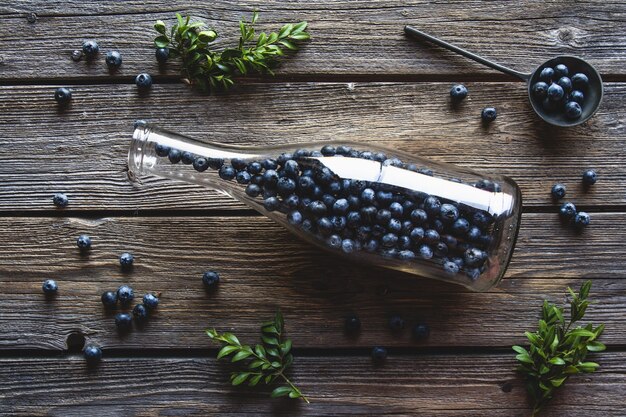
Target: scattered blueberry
140	312
123	321
50	286
92	354
567	211
581	219
90	48
352	324
210	279
379	354
126	260
109	298
421	331
83	242
590	177
489	114
125	294
396	323
60	200
558	191
458	92
143	81
63	96
150	301
162	54
113	60
77	55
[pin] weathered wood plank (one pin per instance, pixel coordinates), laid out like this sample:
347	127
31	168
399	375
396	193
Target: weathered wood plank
263	268
349	38
82	151
408	385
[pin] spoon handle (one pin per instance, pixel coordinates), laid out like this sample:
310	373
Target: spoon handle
409	30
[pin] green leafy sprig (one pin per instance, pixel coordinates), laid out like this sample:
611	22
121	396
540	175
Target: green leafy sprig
210	69
557	350
266	362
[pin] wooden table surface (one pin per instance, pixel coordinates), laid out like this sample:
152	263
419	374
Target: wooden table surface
358	79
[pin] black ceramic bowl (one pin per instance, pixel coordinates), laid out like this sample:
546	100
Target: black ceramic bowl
593	93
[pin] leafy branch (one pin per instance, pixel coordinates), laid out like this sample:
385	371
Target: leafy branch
557	350
209	69
266	362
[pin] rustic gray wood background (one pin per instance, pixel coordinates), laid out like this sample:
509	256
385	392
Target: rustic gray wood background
359	78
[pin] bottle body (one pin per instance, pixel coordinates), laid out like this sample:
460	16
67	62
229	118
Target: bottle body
368	203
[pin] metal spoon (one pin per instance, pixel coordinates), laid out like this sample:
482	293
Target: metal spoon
593	93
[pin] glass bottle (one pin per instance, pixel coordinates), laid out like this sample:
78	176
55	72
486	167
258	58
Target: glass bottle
368	203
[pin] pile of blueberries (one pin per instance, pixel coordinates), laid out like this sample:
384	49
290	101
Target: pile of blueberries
568	212
125	295
557	92
353	215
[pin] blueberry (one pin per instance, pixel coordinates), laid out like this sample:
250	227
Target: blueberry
389	240
581	219
140	312
126	260
431	236
353	219
421	331
565	83
368	214
270	164
50	286
407	226
367	155
473	234
254	168
384	198
546	75
379	354
60	200
448	213
419	216
343	150
253	190
352	324
210	279
257	180
540	90
270	178
174	156
307	225
438	226
590	177
150	301
573	110
143	81
162	150
334	241
113	60
449	240
347	245
77	55
125	294
317	192
162	54
458	92
383	216
92	354
472	273
558	191
577	96
396	210
341	206
474	257
555	92
292	201
200	164
216	163
417	234
324	226
394	226
396	323
440	249
567	211
339	223
432	205
328	150
123	321
90	48
291	169
353	202
406	255
83	242
451	268
489	114
271	203
560	71
460	227
187	158
244	177
482	218
425	252
63	96
363	232
371	245
407	206
227	172
109	298
580	81
380	157
317	208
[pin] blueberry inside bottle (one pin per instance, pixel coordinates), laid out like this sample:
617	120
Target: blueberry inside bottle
370	204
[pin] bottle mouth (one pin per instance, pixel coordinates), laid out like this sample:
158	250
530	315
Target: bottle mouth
137	151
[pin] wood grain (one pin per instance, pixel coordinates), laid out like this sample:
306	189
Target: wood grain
362	38
263	268
82	151
407	385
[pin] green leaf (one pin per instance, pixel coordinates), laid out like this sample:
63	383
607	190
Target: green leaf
273	37
159	26
524	358
595	346
207	36
256	364
285	347
240	378
280	391
270	328
161	41
557	361
269	340
231	338
255	16
285	30
300	27
558	381
581	333
300	36
226	350
259	350
241	355
262	39
295	394
519	349
255	380
278	319
180	20
288	45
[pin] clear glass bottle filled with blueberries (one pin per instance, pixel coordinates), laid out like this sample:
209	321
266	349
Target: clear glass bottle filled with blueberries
370	204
